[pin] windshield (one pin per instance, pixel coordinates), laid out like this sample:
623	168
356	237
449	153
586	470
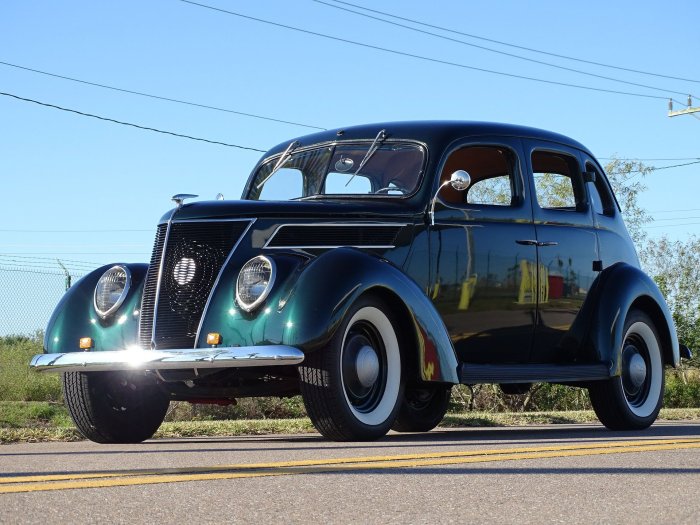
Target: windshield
393	170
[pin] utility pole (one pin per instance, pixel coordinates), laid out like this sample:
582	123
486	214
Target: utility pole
68	275
689	110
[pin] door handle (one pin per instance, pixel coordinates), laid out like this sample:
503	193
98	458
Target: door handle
531	242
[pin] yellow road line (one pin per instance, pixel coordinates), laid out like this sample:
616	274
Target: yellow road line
339	465
337	461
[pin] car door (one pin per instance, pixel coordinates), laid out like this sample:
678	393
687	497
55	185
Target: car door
567	248
483	281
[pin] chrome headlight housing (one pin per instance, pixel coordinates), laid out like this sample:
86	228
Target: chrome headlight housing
254	282
111	290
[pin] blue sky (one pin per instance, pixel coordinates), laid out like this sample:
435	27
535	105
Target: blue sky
100	188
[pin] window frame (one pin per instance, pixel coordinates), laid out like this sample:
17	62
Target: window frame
582	201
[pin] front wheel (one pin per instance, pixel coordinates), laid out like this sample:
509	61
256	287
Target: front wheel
114	407
632	400
351	389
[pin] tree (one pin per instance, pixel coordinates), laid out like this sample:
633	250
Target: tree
674	265
625	178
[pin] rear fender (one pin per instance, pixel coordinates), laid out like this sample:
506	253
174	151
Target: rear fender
597	333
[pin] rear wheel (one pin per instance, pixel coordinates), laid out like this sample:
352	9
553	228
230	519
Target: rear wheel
422	409
632	400
114	407
352	388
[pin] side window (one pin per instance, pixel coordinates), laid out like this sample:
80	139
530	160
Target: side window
494	191
601	197
558	181
492	171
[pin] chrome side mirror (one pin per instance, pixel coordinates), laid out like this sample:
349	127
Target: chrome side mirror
459	180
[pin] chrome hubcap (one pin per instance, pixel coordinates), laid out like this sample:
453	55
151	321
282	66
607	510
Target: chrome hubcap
637	370
635	376
367	366
364	367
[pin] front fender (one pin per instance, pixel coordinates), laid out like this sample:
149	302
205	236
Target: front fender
310	298
598	329
332	282
75	317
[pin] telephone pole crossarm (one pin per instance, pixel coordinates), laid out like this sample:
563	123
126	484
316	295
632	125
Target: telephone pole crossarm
686	111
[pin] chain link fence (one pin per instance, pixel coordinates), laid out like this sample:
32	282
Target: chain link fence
30	292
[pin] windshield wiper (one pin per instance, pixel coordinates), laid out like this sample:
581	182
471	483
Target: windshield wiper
381	136
284	158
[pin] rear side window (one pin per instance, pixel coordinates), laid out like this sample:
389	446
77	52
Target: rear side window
601	197
558	181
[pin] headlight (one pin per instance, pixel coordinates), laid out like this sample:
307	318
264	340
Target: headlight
111	290
254	282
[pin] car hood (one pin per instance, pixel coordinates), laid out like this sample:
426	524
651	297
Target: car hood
345	209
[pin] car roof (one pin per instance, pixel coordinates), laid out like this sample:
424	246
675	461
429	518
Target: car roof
435	133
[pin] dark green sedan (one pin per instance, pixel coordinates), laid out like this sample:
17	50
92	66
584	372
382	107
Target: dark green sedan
370	269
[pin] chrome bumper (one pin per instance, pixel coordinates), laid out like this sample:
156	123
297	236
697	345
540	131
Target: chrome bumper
139	359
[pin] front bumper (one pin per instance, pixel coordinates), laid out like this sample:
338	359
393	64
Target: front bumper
139	359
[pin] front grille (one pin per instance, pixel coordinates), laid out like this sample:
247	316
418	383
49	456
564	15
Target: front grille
149	290
312	235
194	255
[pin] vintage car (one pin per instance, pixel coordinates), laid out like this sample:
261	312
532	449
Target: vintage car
370	269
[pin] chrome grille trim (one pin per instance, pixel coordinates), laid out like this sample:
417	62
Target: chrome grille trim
160	277
218	277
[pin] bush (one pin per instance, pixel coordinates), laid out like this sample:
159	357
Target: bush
17	382
682	389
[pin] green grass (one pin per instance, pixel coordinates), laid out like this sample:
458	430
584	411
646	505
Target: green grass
17	382
33	414
40	429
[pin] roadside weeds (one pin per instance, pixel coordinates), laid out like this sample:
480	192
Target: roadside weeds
59	429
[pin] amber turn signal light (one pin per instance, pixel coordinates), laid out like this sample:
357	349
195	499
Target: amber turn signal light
214	339
86	343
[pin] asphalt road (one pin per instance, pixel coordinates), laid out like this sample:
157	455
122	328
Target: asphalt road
544	474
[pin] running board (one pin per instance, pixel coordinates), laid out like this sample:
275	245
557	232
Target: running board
472	374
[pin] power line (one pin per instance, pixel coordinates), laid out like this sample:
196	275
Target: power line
672	225
674	166
675	211
159	97
504	53
19	256
23	270
500	42
87	253
130	124
638	159
72	231
654	168
423	58
675	219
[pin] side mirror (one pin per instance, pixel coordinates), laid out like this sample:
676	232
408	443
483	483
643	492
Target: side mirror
459	180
